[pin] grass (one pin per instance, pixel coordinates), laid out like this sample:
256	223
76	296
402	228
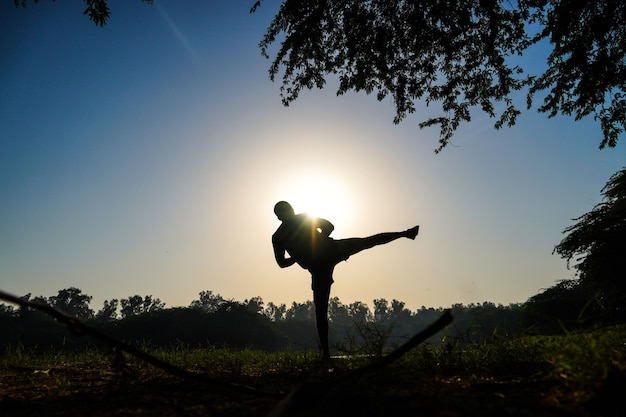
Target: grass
567	371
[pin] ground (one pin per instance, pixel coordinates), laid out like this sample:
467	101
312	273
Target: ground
83	389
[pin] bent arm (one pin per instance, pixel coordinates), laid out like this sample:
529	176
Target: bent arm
281	260
325	227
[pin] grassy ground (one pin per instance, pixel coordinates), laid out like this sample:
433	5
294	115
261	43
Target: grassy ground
576	374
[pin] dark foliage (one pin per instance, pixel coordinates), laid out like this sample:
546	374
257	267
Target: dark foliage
354	328
97	10
137	304
597	242
458	53
564	307
72	301
235	327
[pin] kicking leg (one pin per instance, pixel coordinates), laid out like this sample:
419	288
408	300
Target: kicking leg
352	246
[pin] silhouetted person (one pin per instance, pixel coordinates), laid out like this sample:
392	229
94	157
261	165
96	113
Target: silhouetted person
307	241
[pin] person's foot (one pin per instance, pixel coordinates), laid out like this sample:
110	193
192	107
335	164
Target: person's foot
412	232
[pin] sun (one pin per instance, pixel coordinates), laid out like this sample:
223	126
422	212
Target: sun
321	194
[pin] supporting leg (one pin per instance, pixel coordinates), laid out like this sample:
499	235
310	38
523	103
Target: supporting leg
321	295
321	321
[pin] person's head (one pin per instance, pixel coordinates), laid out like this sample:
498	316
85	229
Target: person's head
283	210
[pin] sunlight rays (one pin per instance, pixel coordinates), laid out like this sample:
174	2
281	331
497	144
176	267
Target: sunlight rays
321	194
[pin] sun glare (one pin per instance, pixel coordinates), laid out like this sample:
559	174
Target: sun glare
321	195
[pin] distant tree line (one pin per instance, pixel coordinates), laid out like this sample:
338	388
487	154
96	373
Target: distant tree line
212	320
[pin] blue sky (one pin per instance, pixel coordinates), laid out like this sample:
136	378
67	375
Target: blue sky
145	158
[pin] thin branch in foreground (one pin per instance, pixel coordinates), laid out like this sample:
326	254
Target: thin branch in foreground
77	326
332	398
307	394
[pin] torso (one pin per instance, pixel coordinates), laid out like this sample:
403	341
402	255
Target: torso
300	238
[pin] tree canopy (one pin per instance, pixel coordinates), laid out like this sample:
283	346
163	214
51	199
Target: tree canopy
463	54
597	242
97	10
72	301
458	53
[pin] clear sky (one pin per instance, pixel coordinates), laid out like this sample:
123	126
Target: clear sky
145	157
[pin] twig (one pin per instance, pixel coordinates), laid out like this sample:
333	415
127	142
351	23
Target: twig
76	325
445	319
329	397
